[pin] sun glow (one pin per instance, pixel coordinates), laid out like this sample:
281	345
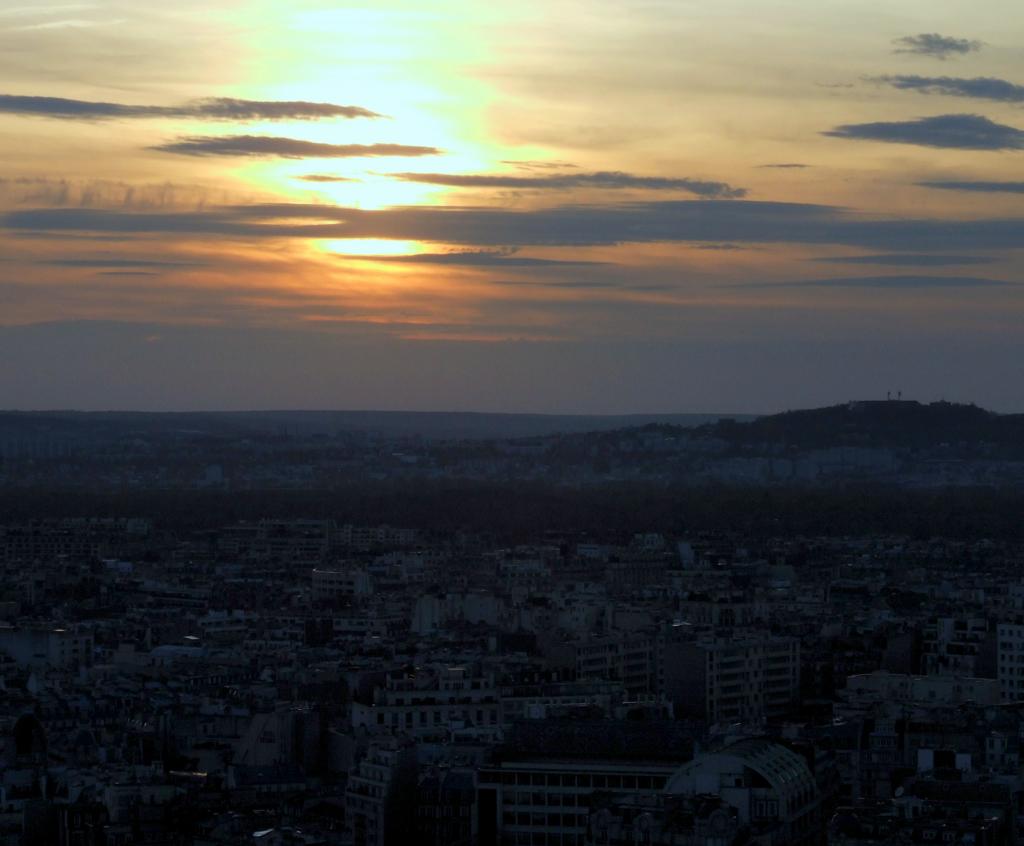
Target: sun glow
356	188
366	247
394	58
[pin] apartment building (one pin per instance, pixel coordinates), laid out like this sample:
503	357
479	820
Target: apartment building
726	680
431	703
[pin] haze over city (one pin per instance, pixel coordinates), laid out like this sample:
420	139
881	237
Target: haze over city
568	206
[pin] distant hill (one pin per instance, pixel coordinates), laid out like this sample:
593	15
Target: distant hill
889	423
396	424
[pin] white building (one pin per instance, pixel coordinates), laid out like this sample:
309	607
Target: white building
43	647
731	680
340	585
871	688
547	801
1010	652
432	705
375	788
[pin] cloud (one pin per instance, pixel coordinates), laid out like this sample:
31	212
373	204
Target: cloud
99	193
901	282
285	148
325	177
564	181
786	166
214	108
478	258
965	132
908	260
577	284
936	46
227	108
979	186
119	263
536	165
980	87
679	221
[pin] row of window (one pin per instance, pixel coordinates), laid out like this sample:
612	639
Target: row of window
540	838
524	799
423	718
598	781
523	818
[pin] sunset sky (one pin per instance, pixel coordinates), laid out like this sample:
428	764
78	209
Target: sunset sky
557	206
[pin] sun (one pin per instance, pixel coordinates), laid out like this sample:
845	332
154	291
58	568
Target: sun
371	247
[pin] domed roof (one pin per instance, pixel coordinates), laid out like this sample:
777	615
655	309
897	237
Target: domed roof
783	769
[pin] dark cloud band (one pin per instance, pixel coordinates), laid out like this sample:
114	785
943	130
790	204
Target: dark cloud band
217	108
565	181
979	87
325	178
682	221
115	263
978	186
936	46
909	260
902	282
286	148
965	132
478	258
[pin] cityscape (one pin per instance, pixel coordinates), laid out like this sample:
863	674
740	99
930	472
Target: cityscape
535	423
261	651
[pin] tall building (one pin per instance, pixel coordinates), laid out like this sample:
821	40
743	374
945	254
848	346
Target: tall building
627	657
1010	664
379	797
446	807
956	646
732	680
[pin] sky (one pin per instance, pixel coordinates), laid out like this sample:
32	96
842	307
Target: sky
562	206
